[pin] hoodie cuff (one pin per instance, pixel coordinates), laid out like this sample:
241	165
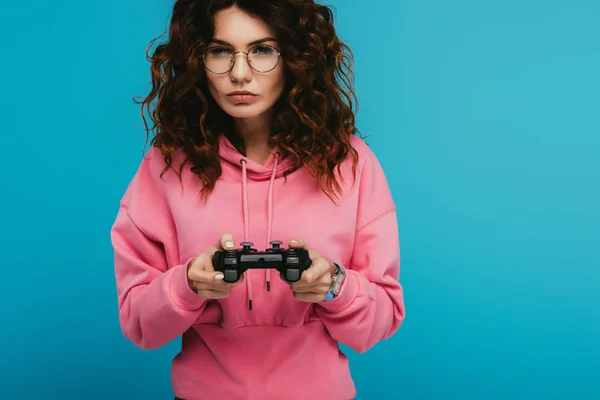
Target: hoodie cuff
181	293
346	296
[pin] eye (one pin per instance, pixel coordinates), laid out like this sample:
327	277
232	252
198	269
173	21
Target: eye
218	51
263	50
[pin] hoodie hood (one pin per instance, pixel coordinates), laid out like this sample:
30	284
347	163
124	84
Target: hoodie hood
233	163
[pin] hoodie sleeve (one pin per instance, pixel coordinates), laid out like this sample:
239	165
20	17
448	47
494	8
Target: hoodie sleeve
370	305
155	303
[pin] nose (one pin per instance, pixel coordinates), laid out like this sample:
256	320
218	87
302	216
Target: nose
241	70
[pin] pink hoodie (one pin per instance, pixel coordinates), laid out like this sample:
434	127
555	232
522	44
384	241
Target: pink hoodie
282	348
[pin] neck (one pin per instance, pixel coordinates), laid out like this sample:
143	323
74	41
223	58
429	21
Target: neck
255	134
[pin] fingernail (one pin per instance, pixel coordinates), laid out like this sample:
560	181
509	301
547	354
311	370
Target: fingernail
229	244
219	277
293	241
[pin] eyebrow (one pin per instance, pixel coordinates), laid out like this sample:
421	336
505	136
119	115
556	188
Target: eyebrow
266	39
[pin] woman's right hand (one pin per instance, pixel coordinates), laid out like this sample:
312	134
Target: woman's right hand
202	277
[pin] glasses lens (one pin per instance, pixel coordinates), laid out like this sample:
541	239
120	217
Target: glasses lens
218	59
263	58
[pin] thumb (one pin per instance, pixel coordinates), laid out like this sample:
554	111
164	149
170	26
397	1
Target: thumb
298	243
226	242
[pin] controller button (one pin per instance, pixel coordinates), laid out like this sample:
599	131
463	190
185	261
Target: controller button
231	275
293	275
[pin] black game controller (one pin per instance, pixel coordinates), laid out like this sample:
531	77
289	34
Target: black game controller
233	263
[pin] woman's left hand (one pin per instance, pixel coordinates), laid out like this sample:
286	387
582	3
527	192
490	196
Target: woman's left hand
315	282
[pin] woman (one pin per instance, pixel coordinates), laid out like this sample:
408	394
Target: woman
255	142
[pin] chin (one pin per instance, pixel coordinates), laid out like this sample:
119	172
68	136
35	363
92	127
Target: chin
245	110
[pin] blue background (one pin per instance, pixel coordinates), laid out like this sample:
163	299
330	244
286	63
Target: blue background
485	116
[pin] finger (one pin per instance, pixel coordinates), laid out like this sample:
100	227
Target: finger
218	286
202	269
212	294
309	297
315	289
298	243
294	284
205	260
323	280
226	242
320	267
204	275
206	287
313	255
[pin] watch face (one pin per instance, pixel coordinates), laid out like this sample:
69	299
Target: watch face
337	282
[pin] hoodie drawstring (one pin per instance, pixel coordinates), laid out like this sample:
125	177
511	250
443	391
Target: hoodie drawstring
270	217
247	224
246	227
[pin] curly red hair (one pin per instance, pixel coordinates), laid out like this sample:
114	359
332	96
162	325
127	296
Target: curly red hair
315	114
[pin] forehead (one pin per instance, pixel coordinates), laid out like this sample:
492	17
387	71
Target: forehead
239	28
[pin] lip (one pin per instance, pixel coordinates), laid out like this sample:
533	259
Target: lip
241	93
242	97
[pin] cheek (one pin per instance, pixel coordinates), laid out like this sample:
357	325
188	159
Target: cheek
276	83
217	83
213	87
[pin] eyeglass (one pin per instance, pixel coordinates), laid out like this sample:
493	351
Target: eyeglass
261	58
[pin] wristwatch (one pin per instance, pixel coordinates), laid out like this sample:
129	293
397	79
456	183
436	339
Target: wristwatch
336	282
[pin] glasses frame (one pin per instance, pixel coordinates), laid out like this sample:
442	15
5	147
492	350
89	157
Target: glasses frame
233	58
